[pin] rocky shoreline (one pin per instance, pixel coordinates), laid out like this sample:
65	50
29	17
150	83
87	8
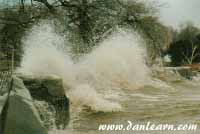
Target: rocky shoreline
32	104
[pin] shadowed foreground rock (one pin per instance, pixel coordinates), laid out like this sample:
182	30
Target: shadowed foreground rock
50	100
21	116
34	106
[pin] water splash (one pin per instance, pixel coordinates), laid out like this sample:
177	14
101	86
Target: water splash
45	53
86	95
116	64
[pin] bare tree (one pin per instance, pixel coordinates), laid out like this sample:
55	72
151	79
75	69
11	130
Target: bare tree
194	53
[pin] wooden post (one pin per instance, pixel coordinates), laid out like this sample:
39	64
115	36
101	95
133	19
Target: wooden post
12	66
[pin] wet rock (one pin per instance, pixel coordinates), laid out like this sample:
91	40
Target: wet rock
48	92
52	83
3	99
33	106
21	116
3	102
54	86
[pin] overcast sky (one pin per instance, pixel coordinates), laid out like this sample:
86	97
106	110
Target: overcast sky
175	12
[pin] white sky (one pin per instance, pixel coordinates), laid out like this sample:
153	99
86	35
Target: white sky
176	12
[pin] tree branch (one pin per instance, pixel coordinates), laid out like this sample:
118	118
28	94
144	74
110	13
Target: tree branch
67	4
46	3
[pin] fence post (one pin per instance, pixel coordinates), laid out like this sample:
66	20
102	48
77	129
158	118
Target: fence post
12	66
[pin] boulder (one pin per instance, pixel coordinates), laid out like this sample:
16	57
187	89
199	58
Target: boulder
5	79
54	86
52	83
49	97
3	99
3	102
33	105
21	116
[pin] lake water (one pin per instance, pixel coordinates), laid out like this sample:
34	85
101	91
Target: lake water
178	104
